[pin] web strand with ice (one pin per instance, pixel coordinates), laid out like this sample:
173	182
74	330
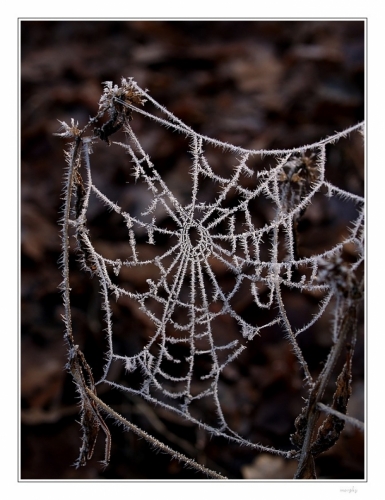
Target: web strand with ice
179	366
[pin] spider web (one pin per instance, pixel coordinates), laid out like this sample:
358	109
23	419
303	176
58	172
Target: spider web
234	234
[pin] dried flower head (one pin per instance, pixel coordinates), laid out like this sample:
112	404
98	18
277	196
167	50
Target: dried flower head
114	98
69	130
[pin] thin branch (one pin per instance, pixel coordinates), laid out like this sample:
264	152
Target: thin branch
346	334
351	420
153	441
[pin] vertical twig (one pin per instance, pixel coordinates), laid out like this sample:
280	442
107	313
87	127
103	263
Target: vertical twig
346	337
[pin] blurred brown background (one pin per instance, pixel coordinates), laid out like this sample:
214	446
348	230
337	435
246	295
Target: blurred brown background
257	84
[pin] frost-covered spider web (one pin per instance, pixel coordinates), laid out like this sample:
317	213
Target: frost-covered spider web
234	233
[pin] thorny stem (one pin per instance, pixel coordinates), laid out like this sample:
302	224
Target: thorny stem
153	441
91	420
65	243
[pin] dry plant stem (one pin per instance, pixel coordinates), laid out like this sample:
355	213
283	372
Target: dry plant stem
347	334
65	243
91	420
153	441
